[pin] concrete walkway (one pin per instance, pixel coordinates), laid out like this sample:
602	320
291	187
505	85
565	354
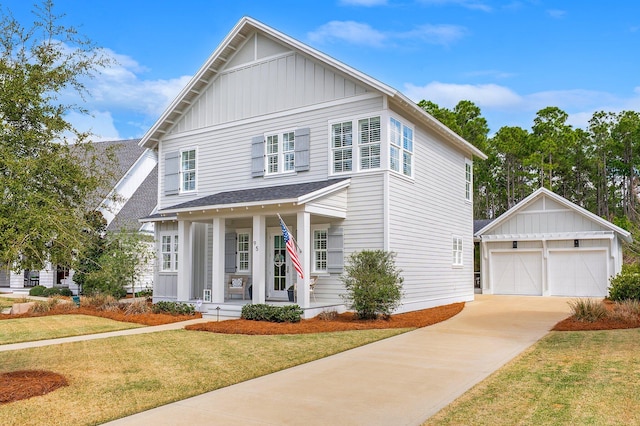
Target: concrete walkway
398	381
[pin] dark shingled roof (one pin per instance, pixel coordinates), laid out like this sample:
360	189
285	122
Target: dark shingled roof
126	152
257	194
141	204
480	223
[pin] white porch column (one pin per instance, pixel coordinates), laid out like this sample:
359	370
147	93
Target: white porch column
217	253
303	238
184	261
258	256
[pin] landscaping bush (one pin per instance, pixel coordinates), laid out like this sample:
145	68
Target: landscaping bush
588	310
45	306
373	284
262	312
173	308
136	307
626	310
626	285
37	290
64	291
49	292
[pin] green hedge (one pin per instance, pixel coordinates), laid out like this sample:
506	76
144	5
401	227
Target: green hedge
262	312
625	286
37	290
173	308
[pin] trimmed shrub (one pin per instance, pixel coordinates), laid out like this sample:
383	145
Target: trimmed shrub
625	286
588	310
173	308
65	291
37	290
373	284
49	292
263	312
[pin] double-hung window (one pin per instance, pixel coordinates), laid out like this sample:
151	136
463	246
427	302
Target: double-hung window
320	239
457	251
369	143
342	146
401	147
468	180
188	170
243	251
169	253
280	150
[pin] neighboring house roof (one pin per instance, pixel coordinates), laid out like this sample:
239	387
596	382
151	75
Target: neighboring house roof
478	224
238	35
141	204
544	192
299	192
126	151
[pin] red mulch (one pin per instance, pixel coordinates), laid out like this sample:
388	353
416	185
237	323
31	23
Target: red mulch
342	322
24	384
573	324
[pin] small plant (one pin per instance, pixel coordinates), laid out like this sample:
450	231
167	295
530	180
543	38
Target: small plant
147	292
173	308
45	306
37	290
373	284
137	307
625	285
65	291
101	302
329	315
588	310
626	310
263	312
52	291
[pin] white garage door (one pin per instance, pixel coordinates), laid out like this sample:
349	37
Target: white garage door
516	272
579	273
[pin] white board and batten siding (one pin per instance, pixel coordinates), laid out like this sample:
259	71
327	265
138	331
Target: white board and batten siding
548	246
424	215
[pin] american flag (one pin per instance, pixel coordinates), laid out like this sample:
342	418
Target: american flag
291	249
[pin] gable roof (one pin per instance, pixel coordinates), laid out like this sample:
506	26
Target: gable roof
298	193
245	27
127	152
544	192
142	203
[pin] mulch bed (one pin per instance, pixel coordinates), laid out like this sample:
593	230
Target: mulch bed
342	322
24	384
573	324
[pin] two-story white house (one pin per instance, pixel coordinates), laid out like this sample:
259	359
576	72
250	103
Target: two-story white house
270	126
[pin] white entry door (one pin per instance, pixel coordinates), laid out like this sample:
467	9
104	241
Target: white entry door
516	272
278	266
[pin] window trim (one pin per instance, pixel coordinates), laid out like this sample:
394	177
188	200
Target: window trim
355	147
400	147
314	228
173	252
457	251
281	153
249	260
195	171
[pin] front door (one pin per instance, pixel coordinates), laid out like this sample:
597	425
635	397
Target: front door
278	266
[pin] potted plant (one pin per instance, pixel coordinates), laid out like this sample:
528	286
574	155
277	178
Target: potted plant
290	293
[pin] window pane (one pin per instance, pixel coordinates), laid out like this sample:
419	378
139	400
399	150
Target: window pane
394	159
395	132
188	170
320	250
407	138
406	163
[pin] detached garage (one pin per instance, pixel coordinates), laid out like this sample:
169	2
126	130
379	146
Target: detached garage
548	246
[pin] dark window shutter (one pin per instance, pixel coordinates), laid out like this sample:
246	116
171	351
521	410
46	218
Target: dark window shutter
257	156
172	173
302	143
335	250
230	253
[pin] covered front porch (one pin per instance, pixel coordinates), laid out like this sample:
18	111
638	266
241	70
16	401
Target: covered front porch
222	256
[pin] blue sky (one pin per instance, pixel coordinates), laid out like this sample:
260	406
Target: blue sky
512	58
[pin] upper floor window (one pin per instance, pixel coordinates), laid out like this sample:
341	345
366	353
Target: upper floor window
169	253
369	142
457	251
468	180
342	147
401	147
280	153
188	170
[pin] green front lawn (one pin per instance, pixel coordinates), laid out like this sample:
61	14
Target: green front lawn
567	378
56	326
115	377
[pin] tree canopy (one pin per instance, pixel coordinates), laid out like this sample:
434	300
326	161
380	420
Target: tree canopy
50	178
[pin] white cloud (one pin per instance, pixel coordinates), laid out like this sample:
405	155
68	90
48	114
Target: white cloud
363	34
468	4
99	123
349	31
365	3
448	95
556	13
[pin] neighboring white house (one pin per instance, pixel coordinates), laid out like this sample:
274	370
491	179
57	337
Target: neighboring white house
135	184
546	245
271	126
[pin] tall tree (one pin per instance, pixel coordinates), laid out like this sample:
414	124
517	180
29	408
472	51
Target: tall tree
552	135
47	183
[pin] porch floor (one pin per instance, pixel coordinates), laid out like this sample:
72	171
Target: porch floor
232	308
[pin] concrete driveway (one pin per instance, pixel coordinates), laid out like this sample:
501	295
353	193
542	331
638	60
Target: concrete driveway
398	381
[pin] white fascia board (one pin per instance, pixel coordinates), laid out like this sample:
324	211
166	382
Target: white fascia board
556	236
324	191
218	207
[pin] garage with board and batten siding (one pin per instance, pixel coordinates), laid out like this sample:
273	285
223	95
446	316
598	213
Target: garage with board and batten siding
546	245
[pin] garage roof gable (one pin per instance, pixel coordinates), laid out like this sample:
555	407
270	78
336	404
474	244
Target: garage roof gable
542	200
